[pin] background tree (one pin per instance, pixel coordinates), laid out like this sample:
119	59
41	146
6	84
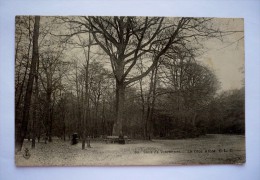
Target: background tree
227	113
187	90
52	71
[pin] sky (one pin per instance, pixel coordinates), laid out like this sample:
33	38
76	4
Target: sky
226	58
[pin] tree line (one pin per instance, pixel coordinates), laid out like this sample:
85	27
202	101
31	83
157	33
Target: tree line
135	76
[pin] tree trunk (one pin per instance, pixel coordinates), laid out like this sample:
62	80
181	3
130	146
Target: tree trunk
194	119
78	103
86	100
96	119
83	138
147	123
35	111
143	110
48	108
151	102
103	118
64	125
33	124
25	73
21	133
148	115
85	119
151	120
120	101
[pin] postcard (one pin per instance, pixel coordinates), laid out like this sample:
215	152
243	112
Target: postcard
114	91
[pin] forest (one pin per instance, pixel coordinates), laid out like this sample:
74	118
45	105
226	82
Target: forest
138	77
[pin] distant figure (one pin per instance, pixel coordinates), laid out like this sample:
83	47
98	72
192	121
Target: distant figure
74	139
26	154
121	139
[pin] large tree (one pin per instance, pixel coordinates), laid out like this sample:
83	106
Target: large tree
22	129
126	39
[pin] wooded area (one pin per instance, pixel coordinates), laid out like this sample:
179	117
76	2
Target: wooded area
124	76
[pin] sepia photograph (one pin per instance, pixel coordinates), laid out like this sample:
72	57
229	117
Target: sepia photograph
129	91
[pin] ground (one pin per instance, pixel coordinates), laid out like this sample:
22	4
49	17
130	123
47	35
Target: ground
209	149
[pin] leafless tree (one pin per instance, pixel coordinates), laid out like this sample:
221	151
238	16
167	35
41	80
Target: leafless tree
126	39
21	131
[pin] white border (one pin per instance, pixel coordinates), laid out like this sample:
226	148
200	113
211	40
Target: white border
250	10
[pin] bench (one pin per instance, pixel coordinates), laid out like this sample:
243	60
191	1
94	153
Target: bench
115	139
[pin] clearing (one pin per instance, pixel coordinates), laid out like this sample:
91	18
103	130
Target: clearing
209	149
